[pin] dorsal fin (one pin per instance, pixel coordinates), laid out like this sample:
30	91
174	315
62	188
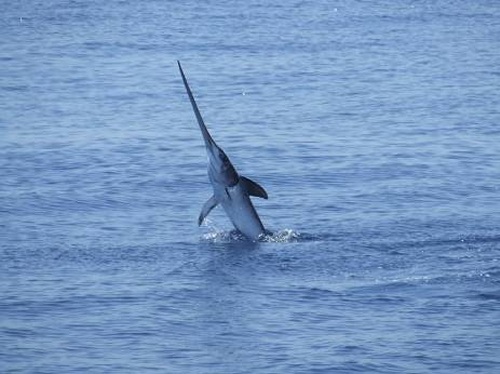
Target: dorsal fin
253	188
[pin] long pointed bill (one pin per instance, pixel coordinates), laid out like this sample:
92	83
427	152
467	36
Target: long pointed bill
209	142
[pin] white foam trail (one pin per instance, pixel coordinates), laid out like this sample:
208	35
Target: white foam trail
218	235
283	236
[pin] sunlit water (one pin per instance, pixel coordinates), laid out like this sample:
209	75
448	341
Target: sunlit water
373	126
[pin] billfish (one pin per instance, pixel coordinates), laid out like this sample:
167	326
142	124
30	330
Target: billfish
230	190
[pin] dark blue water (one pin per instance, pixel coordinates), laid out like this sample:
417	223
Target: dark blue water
373	126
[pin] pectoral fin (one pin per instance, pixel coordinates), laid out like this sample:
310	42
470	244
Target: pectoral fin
253	188
207	207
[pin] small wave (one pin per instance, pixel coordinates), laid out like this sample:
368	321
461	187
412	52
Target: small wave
493	296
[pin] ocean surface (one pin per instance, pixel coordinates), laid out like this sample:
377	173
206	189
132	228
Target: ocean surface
374	126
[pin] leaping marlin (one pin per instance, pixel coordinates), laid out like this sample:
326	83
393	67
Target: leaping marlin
231	190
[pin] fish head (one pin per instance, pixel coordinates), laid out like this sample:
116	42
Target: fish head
220	168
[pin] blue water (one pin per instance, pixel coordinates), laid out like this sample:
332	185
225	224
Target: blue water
373	126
